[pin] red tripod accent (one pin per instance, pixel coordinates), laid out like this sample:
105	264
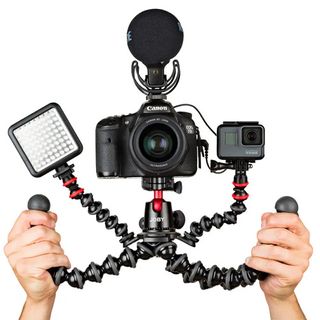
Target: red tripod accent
157	200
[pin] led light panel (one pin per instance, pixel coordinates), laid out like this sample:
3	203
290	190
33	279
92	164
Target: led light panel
45	140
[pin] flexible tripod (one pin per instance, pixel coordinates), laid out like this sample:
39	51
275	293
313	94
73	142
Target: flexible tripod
159	233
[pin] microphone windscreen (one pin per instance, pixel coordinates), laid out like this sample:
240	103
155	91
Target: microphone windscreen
154	36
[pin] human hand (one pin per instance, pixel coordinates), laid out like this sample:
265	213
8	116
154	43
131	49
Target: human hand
283	251
34	247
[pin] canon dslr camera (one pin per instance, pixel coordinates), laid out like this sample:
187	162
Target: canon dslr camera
156	141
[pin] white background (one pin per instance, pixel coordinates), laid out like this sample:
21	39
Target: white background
241	60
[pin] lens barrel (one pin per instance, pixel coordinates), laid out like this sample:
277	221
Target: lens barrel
158	144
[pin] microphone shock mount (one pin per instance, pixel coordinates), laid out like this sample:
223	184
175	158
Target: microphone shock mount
156	85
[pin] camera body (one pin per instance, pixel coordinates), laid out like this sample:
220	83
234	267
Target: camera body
156	141
241	141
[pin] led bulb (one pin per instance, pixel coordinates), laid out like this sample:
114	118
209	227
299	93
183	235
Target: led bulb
45	139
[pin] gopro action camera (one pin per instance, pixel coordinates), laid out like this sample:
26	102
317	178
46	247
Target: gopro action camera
241	140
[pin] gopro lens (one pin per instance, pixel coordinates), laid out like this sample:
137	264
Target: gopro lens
252	136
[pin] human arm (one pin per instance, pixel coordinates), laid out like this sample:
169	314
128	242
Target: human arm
34	247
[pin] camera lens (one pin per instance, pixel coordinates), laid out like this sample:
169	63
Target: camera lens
158	143
252	136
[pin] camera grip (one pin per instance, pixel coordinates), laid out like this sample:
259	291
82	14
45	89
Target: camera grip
41	203
107	141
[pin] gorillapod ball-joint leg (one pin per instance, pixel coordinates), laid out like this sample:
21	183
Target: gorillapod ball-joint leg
239	195
94	272
228	278
176	263
95	208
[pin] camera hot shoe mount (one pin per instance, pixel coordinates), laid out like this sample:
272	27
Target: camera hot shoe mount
158	235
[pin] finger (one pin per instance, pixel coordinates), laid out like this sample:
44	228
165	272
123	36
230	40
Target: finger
281	237
53	216
289	257
34	250
264	219
34	266
31	236
49	261
289	221
275	268
27	219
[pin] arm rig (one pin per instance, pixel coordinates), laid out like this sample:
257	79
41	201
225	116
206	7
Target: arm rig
240	182
159	231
